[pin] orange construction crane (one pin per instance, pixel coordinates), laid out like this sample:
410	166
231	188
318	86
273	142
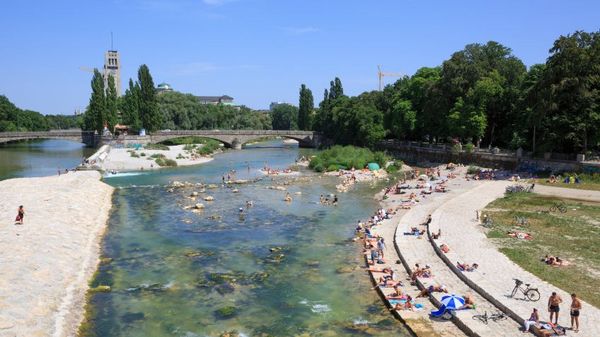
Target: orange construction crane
381	74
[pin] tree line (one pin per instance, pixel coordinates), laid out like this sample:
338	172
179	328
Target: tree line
483	95
142	107
13	119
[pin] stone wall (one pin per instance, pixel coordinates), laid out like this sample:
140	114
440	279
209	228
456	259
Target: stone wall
412	153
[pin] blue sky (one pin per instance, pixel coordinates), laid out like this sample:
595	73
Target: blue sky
259	51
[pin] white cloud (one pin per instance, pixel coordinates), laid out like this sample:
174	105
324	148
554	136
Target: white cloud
301	30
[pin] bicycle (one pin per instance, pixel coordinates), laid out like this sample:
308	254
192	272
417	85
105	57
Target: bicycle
485	318
521	221
559	206
487	221
529	293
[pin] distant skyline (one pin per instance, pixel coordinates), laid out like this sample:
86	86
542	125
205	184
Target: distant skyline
259	51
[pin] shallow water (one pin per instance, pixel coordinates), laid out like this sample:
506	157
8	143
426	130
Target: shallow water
173	269
40	157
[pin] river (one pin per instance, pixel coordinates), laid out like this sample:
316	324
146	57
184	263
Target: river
276	269
40	157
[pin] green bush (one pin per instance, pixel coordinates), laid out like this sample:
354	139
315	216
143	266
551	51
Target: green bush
189	147
456	148
166	162
208	147
187	140
134	155
473	169
158	155
143	154
469	147
346	157
161	147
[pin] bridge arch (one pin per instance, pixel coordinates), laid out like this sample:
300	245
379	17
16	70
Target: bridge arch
155	139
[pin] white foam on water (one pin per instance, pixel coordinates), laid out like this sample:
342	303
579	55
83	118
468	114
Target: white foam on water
320	308
360	321
123	174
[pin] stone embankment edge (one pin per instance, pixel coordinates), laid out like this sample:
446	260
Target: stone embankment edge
387	303
475	286
98	240
462	326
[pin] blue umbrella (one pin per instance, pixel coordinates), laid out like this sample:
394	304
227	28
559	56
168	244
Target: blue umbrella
453	302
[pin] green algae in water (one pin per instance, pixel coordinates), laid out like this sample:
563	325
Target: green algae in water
279	266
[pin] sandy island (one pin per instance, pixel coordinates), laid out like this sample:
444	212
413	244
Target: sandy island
46	262
120	159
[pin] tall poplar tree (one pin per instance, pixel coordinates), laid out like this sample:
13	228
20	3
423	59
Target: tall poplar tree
149	113
112	117
130	106
96	113
305	108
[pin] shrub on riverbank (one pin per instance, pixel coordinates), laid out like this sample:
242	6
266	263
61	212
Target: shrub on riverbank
208	147
161	147
186	140
166	162
346	157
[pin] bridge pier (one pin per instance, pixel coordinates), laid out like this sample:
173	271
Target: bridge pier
236	144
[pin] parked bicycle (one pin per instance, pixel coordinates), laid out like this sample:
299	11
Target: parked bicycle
559	206
487	221
485	318
521	221
529	293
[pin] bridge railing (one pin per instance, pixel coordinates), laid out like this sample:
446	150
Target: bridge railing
235	132
53	133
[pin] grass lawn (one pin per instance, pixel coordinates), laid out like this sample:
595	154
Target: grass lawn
588	182
573	236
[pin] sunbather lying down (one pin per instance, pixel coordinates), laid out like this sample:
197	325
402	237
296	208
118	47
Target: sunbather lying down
432	289
520	235
404	304
555	261
466	266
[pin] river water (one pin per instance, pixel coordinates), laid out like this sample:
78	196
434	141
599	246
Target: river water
279	269
40	158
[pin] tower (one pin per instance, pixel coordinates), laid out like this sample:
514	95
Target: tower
112	66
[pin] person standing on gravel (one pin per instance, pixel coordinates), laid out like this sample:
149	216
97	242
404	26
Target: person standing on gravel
575	309
553	306
381	247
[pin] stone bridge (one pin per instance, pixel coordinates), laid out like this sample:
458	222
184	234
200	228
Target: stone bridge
86	137
231	138
236	138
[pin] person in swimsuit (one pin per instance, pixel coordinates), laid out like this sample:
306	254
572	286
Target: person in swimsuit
534	319
553	307
575	309
20	215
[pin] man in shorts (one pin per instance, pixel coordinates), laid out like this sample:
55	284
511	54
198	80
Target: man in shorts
575	309
553	306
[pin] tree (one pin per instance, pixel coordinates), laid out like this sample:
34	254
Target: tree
335	89
149	114
284	117
111	103
95	115
130	106
305	108
573	78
